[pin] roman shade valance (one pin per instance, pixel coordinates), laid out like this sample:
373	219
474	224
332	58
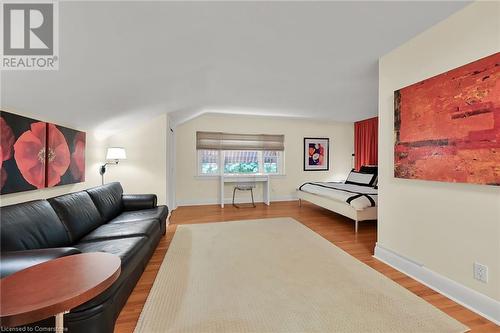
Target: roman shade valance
228	141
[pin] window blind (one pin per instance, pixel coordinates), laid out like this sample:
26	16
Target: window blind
228	141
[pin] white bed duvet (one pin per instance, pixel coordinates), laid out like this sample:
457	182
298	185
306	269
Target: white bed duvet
359	197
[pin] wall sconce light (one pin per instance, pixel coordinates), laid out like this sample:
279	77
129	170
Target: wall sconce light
114	155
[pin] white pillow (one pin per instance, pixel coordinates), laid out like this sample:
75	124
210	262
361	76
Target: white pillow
358	178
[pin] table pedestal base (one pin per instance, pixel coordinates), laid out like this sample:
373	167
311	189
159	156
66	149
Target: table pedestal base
60	322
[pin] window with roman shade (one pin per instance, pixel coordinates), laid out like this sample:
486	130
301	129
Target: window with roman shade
231	153
229	141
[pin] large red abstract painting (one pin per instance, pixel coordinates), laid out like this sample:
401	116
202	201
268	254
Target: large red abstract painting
447	128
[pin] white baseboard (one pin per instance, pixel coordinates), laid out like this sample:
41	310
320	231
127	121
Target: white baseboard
469	298
230	200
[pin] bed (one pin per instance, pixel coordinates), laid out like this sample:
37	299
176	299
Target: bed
356	198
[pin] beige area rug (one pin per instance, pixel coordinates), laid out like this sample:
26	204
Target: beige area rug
276	275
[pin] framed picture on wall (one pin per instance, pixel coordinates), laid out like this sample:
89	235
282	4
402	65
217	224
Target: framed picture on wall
447	127
36	154
316	154
22	150
69	168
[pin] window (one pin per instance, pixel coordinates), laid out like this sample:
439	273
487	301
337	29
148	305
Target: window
208	162
271	161
239	153
239	162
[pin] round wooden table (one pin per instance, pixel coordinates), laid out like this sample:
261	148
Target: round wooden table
54	287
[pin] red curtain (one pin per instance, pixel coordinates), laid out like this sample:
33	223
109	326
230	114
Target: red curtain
366	142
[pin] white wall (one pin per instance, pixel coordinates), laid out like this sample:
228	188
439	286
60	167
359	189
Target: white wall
94	155
192	189
145	169
444	226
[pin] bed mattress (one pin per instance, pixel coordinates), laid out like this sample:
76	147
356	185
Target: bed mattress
359	197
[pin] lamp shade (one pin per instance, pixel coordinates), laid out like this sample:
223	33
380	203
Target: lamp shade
116	153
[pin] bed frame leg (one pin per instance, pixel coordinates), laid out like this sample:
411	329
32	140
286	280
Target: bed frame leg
356	226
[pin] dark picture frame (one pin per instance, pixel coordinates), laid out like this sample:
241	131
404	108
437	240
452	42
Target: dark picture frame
316	154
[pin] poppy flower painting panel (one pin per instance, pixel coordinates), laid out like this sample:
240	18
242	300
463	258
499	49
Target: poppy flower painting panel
447	128
66	156
316	154
22	151
35	154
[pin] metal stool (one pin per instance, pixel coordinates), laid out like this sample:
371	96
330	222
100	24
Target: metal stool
244	187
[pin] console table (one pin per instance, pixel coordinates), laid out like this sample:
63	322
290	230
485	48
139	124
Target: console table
54	287
264	179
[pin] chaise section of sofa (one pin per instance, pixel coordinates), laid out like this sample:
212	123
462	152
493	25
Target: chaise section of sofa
100	219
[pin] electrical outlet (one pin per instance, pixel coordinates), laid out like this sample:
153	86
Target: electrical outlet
481	272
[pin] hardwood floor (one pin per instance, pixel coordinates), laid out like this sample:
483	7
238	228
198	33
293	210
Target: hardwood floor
333	227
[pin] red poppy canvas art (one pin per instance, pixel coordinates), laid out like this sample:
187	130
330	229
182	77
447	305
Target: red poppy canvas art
66	159
23	142
447	128
35	154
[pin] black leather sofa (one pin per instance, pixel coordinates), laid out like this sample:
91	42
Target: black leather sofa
100	219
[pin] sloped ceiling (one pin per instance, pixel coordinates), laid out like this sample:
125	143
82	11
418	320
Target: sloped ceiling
127	61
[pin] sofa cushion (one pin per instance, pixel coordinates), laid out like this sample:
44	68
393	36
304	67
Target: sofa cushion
134	254
15	261
159	213
126	248
31	225
121	230
78	213
108	199
139	201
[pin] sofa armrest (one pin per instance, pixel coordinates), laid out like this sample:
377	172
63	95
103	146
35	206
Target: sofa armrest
139	201
13	261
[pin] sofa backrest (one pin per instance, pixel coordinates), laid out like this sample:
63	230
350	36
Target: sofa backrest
77	212
31	225
108	199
